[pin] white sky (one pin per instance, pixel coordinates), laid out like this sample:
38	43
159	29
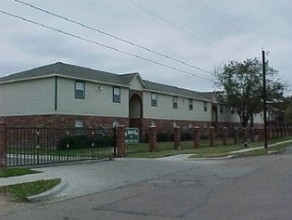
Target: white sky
202	33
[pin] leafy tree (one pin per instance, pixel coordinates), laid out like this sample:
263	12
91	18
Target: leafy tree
242	83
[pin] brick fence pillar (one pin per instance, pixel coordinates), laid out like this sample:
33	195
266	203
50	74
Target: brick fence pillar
252	134
261	134
152	138
225	136
177	138
235	135
273	132
282	132
121	149
245	137
277	132
3	145
245	134
268	133
197	137
212	136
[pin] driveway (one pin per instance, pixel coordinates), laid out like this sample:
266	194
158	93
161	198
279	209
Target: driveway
171	188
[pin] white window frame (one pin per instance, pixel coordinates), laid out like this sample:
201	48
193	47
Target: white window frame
205	106
154	99
117	94
174	102
79	89
191	104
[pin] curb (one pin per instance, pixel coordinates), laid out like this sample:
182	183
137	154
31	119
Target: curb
45	195
213	158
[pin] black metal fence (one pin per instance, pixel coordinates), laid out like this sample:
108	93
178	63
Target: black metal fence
36	146
165	141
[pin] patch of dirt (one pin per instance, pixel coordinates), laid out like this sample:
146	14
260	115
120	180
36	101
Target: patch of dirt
7	205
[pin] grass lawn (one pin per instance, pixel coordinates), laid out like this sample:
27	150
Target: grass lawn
166	149
20	192
9	172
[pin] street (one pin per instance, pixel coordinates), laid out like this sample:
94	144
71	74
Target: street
252	188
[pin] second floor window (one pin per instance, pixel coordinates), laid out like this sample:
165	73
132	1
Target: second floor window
191	104
174	102
117	94
153	99
221	109
205	106
79	89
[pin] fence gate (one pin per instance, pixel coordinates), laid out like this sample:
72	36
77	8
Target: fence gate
37	146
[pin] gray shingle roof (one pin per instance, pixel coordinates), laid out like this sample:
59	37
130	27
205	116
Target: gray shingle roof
101	76
69	71
175	90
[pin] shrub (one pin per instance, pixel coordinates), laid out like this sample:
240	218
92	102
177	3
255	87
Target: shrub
83	141
186	136
164	137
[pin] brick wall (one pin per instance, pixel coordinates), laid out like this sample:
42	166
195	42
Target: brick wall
168	125
62	121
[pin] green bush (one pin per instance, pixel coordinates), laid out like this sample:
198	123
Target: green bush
165	137
83	141
186	136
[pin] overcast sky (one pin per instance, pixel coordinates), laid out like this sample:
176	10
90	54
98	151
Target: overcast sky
203	34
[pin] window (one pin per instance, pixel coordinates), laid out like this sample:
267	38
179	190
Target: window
78	124
221	109
205	106
153	99
232	110
117	94
79	127
79	89
190	104
174	102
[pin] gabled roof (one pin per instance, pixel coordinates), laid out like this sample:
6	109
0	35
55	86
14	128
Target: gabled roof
72	71
67	70
174	90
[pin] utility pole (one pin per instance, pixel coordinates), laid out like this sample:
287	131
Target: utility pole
265	99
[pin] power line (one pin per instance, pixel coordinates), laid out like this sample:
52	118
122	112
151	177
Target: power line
222	18
112	36
171	24
102	45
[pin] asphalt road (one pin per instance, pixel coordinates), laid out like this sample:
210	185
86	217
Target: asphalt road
241	189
